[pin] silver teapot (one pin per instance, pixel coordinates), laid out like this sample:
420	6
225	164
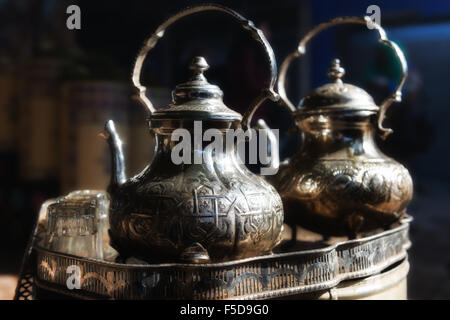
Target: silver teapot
216	210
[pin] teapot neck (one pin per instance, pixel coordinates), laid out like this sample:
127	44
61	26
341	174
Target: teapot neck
331	137
193	150
199	126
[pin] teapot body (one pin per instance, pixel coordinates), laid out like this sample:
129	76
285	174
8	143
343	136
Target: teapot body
340	182
217	210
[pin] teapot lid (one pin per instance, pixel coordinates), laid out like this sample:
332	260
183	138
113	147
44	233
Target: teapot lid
197	99
336	96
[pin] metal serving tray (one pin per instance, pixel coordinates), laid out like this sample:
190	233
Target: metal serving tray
292	270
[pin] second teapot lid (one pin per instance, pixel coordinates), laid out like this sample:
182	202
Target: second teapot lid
337	96
197	99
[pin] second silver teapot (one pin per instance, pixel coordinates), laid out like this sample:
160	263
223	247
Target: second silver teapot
339	182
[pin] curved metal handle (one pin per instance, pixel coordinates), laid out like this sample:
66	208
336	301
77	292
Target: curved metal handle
267	93
396	96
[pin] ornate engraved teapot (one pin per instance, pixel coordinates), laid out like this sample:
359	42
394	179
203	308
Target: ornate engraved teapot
340	182
216	210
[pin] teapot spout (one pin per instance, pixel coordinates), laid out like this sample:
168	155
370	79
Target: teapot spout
118	176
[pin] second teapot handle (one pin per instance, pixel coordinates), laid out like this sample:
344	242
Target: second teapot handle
266	93
396	96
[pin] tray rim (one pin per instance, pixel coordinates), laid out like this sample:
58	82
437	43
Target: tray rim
404	224
302	257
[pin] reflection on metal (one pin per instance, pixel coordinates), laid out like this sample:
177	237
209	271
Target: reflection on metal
278	275
169	211
389	285
340	182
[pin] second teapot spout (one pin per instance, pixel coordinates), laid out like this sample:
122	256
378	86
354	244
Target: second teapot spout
272	148
118	176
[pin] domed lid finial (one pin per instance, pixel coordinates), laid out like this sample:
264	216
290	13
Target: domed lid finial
197	87
336	72
199	65
337	96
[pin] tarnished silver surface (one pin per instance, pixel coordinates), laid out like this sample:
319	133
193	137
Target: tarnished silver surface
216	210
339	182
278	275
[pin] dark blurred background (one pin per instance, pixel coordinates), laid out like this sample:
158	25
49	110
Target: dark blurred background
59	86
